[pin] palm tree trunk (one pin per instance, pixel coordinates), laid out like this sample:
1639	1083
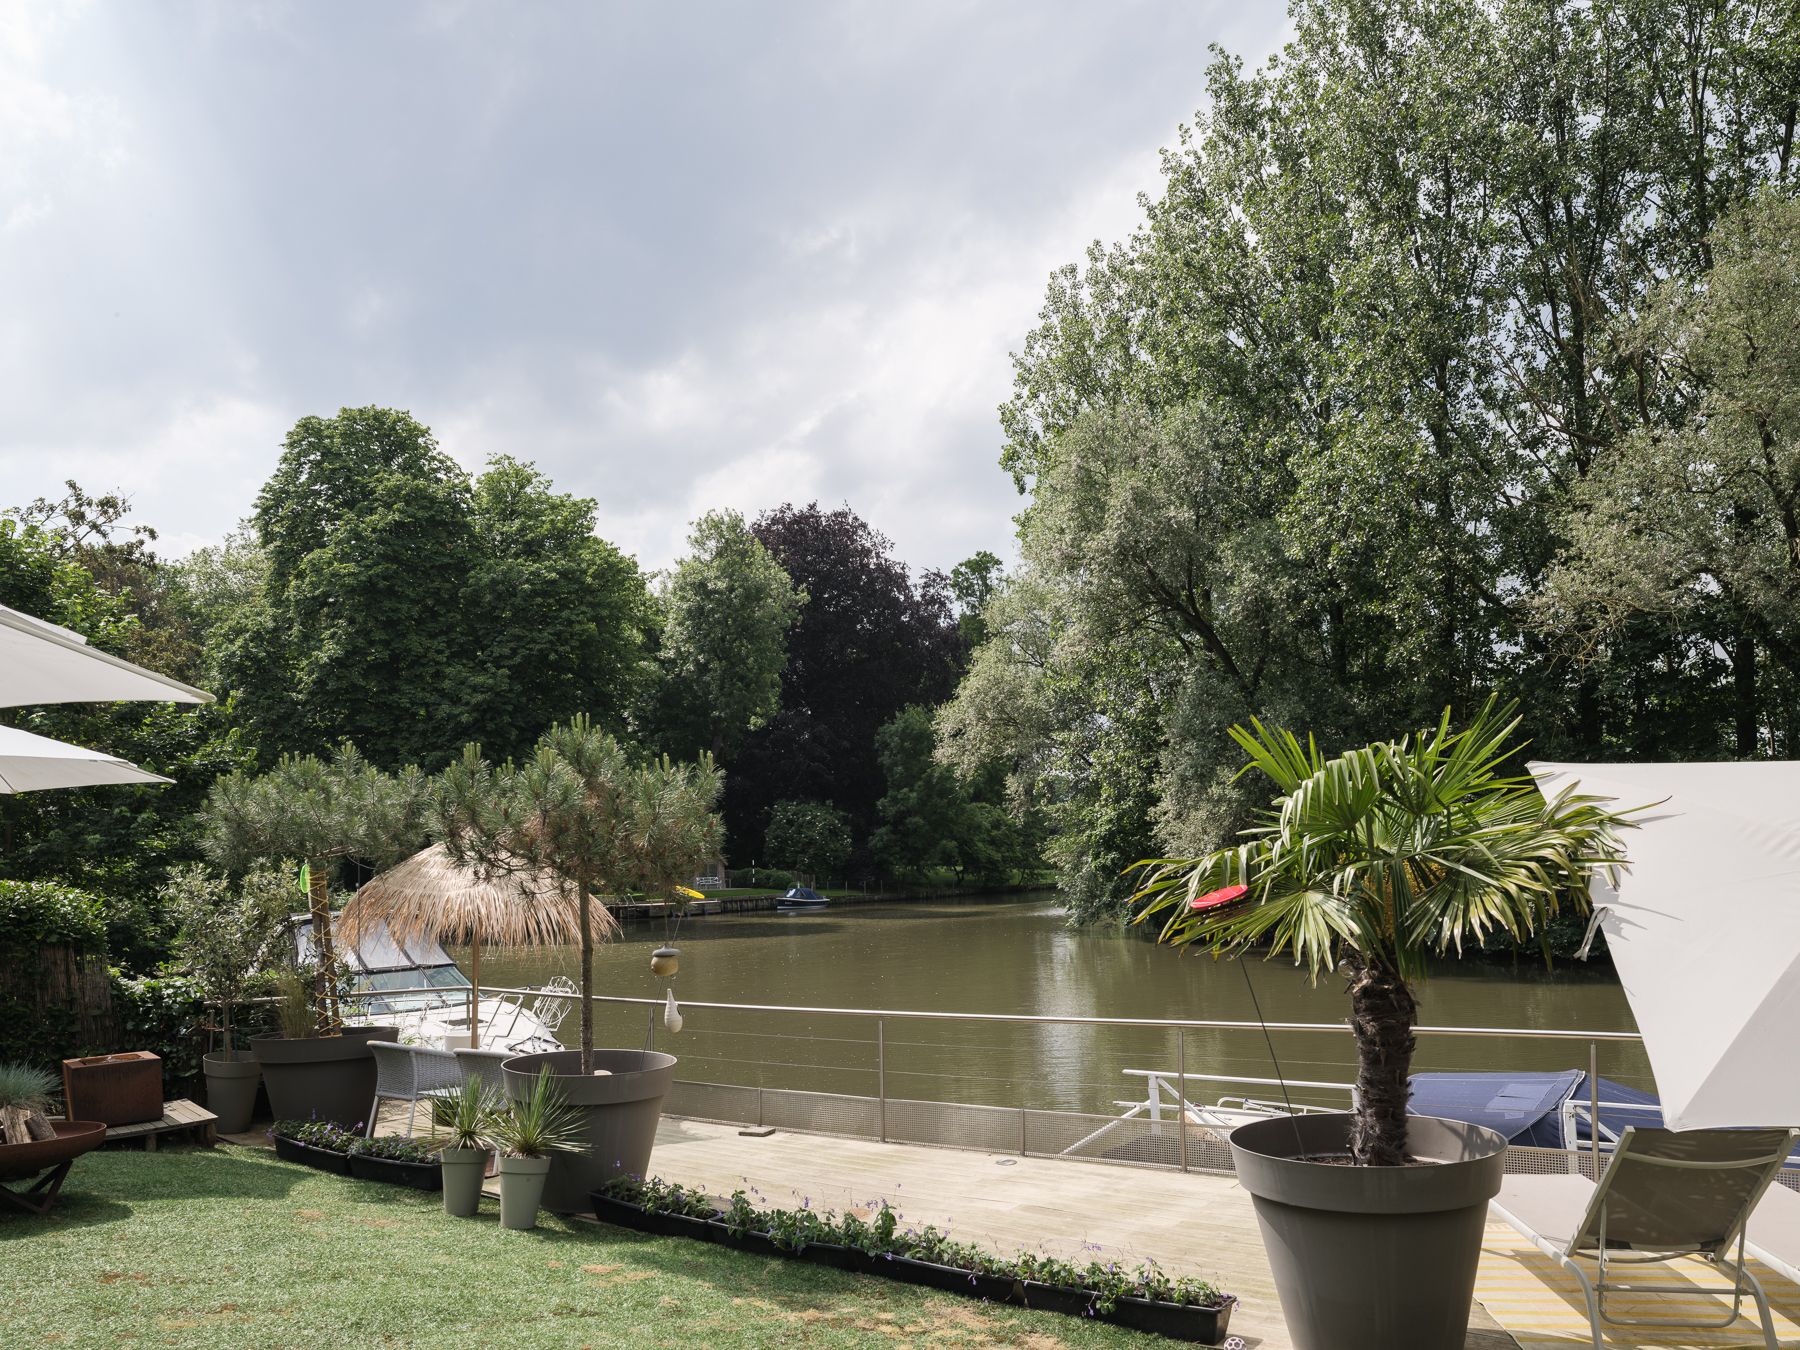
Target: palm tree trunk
587	981
1382	1013
325	1008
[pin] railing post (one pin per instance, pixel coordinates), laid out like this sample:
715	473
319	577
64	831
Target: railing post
881	1072
1594	1103
1181	1123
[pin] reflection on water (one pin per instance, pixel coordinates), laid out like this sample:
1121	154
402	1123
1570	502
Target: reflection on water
1016	956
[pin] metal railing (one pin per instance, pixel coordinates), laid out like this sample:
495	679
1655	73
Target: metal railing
963	1106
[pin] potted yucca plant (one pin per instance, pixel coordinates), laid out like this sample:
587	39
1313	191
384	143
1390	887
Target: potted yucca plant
467	1116
535	1125
1368	864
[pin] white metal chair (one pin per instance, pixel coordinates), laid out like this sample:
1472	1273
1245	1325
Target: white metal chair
410	1074
1663	1195
550	1011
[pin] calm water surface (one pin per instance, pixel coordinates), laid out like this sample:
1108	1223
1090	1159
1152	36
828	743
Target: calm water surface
1017	956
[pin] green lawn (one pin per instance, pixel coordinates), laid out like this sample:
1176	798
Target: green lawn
234	1248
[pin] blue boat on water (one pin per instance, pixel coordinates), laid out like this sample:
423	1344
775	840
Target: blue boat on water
802	898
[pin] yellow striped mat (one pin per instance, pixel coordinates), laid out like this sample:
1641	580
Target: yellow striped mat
1540	1304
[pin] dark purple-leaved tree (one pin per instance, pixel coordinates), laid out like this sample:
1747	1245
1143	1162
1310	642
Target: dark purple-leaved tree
870	641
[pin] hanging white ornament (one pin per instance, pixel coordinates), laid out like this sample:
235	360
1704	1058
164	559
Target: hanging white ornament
671	1013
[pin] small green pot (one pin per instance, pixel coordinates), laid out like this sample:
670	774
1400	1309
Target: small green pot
464	1169
521	1191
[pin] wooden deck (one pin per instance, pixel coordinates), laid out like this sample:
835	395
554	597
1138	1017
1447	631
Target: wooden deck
1187	1223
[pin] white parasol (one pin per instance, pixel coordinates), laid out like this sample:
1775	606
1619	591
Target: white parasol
1704	928
41	663
31	763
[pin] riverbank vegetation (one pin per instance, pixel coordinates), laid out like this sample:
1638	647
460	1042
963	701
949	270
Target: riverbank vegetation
1448	361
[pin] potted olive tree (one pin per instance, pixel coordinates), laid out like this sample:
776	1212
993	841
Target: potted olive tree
583	815
320	811
1370	863
528	1131
224	934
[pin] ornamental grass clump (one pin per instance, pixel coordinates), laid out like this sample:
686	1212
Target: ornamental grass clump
25	1095
1371	862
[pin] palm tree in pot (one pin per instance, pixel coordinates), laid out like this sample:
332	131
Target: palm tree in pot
1371	863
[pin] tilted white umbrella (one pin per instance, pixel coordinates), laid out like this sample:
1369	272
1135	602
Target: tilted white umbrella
41	663
1704	928
31	763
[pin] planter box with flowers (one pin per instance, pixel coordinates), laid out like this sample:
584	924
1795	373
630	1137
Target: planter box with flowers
1144	1298
398	1162
323	1144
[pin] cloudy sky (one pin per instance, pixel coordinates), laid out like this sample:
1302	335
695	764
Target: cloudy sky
680	255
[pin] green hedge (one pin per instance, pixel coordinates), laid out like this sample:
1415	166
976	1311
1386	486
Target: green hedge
771	878
37	914
163	1014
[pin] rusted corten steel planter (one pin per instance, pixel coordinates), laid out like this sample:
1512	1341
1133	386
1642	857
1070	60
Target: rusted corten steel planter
124	1089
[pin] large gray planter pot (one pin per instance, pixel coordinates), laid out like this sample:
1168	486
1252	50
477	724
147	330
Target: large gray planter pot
619	1114
321	1077
464	1169
231	1083
1370	1258
522	1191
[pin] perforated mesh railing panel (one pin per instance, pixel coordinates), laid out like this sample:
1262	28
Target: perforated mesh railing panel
1003	1129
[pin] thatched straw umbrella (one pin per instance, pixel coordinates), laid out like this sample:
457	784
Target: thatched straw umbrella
430	896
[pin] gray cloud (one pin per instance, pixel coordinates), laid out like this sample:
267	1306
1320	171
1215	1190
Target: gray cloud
681	256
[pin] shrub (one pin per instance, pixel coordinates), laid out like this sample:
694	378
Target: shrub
37	914
163	1014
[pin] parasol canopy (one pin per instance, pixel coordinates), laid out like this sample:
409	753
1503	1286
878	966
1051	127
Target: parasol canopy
430	895
1704	928
31	763
42	663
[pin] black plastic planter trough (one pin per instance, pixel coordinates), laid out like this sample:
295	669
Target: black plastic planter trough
292	1150
1177	1321
419	1176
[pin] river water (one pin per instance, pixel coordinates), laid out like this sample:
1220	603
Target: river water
1016	955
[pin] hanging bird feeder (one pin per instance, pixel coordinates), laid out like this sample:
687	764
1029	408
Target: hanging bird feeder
665	961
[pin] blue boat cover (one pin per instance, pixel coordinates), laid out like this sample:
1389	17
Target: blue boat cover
1525	1107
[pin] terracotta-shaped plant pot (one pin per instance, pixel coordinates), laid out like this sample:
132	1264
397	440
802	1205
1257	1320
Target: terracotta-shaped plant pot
464	1170
321	1077
231	1083
619	1112
522	1191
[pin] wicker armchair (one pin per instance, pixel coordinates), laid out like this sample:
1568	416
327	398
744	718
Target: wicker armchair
410	1074
485	1065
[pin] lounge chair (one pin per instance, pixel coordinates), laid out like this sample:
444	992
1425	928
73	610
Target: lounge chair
1663	1195
410	1074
